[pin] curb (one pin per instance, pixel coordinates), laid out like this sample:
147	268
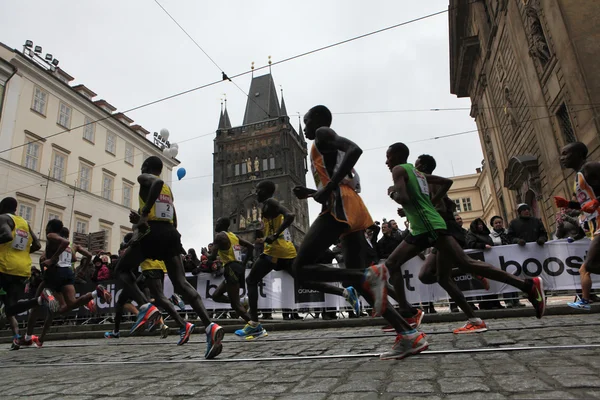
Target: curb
97	331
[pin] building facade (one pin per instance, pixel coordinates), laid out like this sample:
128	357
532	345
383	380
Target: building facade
529	68
265	147
472	196
65	155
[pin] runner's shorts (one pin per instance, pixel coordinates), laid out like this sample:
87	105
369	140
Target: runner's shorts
55	278
162	243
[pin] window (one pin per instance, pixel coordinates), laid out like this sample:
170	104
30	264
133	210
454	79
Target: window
237	169
26	212
40	99
127	190
457	202
81	226
64	115
564	122
89	129
32	155
85	177
111	143
272	162
107	186
244	168
129	153
107	233
53	215
265	164
59	165
466	204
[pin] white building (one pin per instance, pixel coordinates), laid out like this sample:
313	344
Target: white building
54	164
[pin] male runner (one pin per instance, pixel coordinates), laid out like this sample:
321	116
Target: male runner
17	242
429	273
411	190
228	247
160	240
60	279
587	184
344	216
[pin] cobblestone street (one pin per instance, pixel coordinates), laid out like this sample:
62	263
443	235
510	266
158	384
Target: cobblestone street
321	364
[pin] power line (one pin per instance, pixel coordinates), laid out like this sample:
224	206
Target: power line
162	99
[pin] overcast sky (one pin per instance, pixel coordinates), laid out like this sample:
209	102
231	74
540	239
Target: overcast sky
130	53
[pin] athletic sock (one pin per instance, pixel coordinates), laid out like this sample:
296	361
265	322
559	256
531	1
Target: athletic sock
27	337
253	324
408	333
94	295
208	328
40	301
476	321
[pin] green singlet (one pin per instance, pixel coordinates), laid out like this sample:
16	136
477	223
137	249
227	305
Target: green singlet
420	211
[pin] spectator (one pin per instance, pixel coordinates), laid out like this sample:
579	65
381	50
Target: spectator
498	234
459	221
478	237
526	229
371	253
101	271
387	243
462	240
191	261
396	232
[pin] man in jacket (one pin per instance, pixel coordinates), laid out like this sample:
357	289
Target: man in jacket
526	228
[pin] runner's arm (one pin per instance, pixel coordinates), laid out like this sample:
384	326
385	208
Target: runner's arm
82	251
62	245
444	184
5	229
248	246
326	138
288	216
155	184
221	242
398	191
35	243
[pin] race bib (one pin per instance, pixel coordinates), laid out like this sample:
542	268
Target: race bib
21	239
287	236
237	252
164	207
64	260
423	186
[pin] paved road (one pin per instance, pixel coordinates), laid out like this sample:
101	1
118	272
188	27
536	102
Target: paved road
455	368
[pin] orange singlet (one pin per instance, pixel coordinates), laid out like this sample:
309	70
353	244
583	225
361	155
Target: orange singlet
585	193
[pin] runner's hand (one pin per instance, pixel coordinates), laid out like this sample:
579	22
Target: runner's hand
134	217
270	239
401	212
302	192
322	195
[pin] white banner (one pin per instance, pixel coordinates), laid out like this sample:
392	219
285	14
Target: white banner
557	262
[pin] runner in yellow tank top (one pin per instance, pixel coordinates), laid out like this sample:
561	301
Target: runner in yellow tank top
587	188
228	247
17	242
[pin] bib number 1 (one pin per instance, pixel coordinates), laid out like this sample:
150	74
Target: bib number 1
423	186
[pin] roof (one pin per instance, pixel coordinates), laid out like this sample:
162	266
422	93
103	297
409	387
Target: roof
283	111
262	102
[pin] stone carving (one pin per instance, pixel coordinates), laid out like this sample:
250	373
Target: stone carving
256	164
249	164
242	221
538	45
254	213
510	111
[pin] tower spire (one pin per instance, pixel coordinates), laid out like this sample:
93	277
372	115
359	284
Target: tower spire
221	121
226	121
282	111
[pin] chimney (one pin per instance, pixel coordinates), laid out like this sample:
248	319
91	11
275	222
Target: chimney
478	170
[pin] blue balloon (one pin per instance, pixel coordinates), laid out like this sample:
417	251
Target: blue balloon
181	173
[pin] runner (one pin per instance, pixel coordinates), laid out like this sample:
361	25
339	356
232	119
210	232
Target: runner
228	247
344	216
587	184
429	271
60	279
411	190
17	242
158	239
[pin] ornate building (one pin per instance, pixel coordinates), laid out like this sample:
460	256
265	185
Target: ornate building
265	147
530	69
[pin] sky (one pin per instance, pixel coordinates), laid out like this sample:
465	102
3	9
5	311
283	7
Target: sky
131	53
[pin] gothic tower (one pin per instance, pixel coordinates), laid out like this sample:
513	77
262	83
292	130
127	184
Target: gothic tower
265	147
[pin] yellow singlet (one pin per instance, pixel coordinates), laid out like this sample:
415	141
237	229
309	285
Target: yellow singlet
162	210
234	253
14	255
283	246
149	264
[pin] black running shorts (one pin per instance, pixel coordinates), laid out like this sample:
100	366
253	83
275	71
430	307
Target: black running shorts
235	273
12	288
426	240
154	274
162	243
55	278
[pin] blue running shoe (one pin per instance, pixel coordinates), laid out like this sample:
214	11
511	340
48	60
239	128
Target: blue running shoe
250	332
15	343
176	300
184	333
214	336
148	313
351	297
581	304
112	335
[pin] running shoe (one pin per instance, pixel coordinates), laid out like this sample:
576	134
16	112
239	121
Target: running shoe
376	283
15	345
581	304
484	282
214	336
415	320
147	313
537	297
185	332
112	335
406	345
164	331
91	306
155	324
103	294
388	328
36	341
176	300
351	297
470	327
250	332
49	300
27	343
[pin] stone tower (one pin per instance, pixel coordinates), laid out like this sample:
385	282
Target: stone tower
265	147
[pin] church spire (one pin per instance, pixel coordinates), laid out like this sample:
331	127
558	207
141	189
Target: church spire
283	110
226	121
221	121
300	133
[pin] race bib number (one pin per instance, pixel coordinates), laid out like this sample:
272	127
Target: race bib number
287	236
21	239
64	260
423	186
164	207
237	252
